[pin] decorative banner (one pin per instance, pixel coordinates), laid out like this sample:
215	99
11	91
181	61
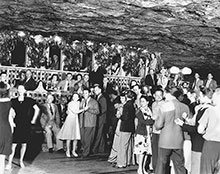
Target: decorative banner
73	51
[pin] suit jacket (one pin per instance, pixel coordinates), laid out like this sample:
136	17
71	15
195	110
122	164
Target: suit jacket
85	84
102	109
127	117
30	85
96	77
171	136
213	84
89	117
151	81
196	85
62	84
46	115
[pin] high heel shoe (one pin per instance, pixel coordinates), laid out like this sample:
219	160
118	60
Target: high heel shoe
22	164
8	167
68	154
139	171
74	154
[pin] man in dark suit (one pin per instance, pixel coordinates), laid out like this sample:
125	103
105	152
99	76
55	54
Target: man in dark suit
99	143
151	79
97	74
171	136
50	122
29	84
88	122
126	129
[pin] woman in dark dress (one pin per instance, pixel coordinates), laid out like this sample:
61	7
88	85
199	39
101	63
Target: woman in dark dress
5	129
26	112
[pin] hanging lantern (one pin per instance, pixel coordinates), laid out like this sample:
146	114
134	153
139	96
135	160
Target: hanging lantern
132	53
186	71
38	38
174	70
21	34
113	46
145	51
120	47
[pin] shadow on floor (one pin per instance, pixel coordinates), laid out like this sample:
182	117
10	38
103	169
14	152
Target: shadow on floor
117	172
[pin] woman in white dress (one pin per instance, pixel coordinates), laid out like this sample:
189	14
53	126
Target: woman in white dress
70	130
142	139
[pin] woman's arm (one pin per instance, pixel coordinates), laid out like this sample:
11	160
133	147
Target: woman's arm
76	109
11	119
136	123
36	113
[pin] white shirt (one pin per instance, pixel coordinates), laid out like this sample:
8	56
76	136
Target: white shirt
208	83
66	86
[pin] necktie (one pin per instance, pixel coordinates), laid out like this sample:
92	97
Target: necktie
51	109
83	119
85	104
68	86
152	76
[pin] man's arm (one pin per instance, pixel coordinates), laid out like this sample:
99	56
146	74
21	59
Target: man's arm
103	104
215	84
159	122
189	128
203	122
125	113
201	129
57	116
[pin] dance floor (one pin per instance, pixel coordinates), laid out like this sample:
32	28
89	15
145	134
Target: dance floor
57	163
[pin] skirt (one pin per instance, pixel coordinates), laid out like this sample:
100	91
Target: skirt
70	129
142	145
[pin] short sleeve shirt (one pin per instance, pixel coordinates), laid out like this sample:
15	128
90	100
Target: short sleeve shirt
211	121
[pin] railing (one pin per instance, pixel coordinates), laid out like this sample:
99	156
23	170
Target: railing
45	74
60	97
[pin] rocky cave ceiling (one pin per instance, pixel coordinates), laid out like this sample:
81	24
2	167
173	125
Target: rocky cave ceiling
187	32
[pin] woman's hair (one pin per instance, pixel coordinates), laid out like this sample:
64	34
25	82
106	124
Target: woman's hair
147	98
58	79
79	75
4	92
74	94
158	89
131	83
206	92
87	89
123	93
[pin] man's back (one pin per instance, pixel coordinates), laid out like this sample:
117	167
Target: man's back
171	136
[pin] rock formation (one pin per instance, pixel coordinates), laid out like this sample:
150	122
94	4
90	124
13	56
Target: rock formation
187	32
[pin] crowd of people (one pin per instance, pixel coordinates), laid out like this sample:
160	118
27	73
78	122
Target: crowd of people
163	123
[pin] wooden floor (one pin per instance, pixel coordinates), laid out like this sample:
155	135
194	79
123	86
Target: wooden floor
57	163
